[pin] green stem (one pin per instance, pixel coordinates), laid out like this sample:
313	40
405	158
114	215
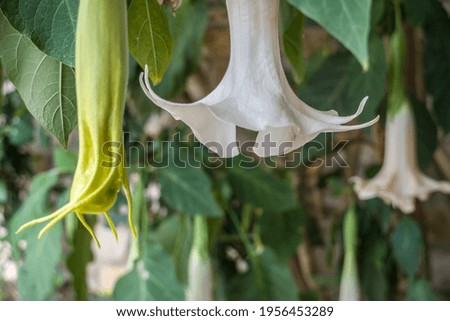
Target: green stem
200	242
397	92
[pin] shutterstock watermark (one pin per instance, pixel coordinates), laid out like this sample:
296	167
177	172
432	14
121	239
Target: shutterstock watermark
327	152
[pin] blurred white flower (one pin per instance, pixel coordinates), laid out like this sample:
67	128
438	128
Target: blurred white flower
349	287
399	181
200	277
7	87
200	274
175	4
254	93
156	123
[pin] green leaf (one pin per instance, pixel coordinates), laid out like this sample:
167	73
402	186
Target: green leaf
50	24
175	236
437	62
263	190
149	36
38	271
347	20
406	241
65	160
188	190
293	23
34	206
79	258
373	267
3	192
188	40
270	280
46	85
153	278
417	11
341	84
426	134
420	290
290	224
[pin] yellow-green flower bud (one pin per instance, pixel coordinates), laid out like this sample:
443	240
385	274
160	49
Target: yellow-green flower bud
101	80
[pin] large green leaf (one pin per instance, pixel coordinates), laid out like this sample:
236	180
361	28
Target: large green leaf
270	280
437	62
188	29
149	37
262	189
188	190
407	244
50	24
347	20
38	271
46	85
153	278
341	84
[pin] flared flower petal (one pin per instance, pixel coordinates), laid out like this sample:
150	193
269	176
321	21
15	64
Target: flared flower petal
400	181
254	93
101	42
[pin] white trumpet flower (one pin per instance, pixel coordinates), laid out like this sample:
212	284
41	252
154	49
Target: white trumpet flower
254	93
399	181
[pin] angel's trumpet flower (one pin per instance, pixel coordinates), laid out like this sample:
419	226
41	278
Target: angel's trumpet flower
399	181
101	80
254	93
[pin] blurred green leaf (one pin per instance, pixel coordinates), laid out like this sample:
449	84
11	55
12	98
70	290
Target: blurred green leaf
153	278
65	160
420	290
21	131
262	190
38	271
270	280
347	20
175	235
373	267
37	274
341	84
293	22
290	224
3	192
188	190
149	37
417	11
426	134
46	85
407	242
437	63
50	24
188	29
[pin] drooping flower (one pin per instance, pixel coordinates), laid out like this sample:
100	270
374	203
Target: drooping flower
400	180
101	83
254	93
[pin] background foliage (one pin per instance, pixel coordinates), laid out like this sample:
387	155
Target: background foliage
275	232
